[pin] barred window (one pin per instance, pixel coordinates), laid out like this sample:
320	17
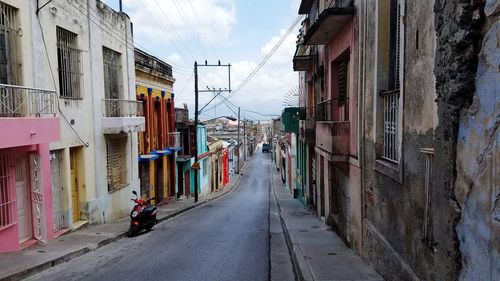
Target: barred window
69	64
116	160
8	45
112	74
144	175
8	215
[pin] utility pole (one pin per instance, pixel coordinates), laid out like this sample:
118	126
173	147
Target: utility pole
239	144
196	165
196	131
245	143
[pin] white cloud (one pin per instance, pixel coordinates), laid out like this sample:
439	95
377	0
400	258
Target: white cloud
266	91
178	20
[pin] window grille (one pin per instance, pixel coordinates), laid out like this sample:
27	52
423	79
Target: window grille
144	176
391	125
116	160
69	64
112	74
8	215
8	45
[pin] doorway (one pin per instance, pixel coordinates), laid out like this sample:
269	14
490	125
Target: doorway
57	191
23	198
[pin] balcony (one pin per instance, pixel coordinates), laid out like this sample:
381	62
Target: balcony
28	115
122	116
328	25
174	141
333	128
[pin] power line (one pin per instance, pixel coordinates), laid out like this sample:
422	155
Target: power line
201	28
263	62
113	32
166	35
191	30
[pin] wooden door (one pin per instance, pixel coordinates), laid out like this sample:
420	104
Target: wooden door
74	186
23	199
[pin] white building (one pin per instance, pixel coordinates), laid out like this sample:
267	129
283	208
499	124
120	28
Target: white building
84	50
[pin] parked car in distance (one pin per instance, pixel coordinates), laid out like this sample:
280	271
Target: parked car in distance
265	147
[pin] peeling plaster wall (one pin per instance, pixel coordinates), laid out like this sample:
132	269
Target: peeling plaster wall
477	185
459	32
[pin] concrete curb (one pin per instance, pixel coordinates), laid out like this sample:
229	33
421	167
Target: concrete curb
82	251
300	266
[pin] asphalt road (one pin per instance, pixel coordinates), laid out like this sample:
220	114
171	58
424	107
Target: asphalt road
226	239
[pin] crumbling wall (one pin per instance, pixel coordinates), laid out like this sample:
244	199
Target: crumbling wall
459	34
477	185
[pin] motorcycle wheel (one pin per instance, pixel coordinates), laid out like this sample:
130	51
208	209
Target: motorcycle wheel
132	232
150	226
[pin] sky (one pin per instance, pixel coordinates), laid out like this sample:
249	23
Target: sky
239	32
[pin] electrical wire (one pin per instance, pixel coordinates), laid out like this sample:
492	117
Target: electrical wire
263	62
112	32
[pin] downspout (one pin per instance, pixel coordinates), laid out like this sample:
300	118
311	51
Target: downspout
361	90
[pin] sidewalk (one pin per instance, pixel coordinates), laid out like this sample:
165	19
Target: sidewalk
19	265
317	252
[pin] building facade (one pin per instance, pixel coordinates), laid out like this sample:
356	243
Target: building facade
160	142
405	131
28	112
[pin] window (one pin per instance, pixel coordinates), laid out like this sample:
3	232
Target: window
112	74
69	64
8	214
390	97
8	45
144	176
116	160
205	167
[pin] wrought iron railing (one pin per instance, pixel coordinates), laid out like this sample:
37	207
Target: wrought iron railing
174	139
18	101
122	108
333	110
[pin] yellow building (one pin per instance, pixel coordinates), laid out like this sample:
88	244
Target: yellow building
159	143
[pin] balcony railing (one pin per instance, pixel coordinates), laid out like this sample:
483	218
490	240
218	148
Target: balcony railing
333	110
122	108
174	139
17	101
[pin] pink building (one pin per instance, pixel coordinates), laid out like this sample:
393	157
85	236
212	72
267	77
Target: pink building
28	123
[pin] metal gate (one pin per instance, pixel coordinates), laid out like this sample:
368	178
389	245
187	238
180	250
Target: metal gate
340	208
38	206
57	210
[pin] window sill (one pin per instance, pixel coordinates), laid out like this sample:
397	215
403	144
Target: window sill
120	187
389	169
70	98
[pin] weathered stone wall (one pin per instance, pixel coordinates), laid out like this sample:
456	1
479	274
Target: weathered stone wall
459	33
477	186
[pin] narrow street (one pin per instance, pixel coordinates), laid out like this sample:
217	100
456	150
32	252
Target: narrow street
227	239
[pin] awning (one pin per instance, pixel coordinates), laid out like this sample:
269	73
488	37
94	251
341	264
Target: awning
328	25
148	157
162	152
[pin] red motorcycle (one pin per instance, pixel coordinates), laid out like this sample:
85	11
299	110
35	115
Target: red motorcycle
143	216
